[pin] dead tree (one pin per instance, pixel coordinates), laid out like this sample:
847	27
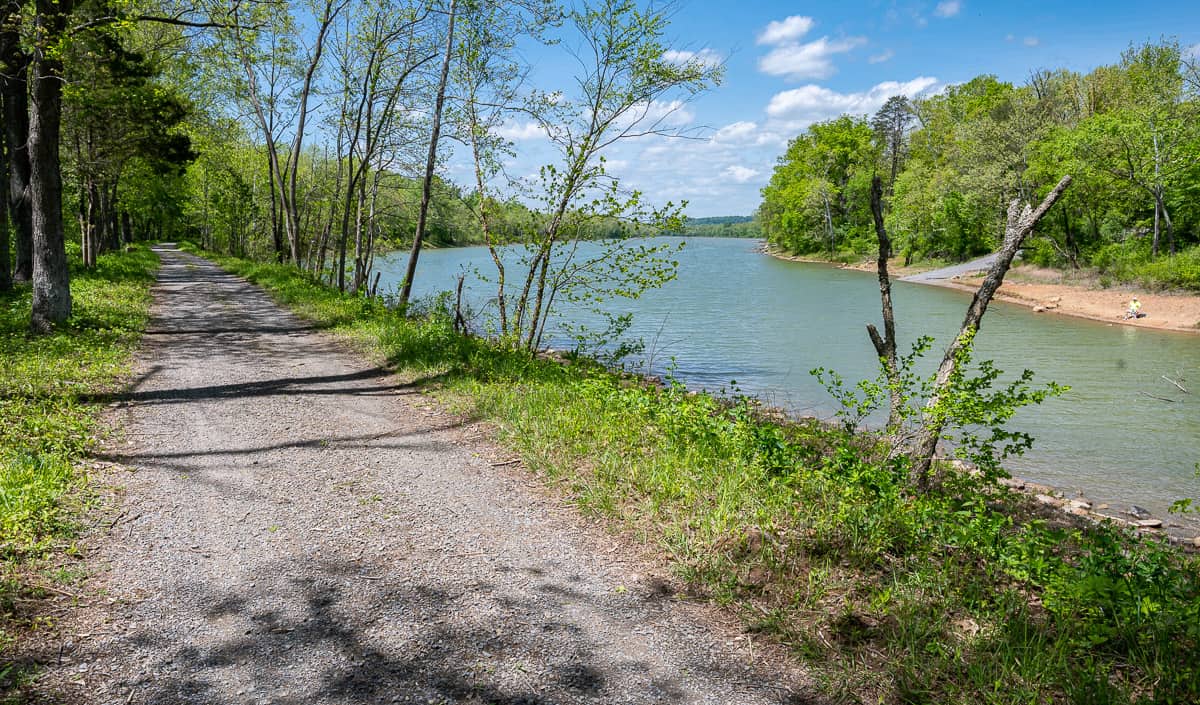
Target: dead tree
1021	222
885	347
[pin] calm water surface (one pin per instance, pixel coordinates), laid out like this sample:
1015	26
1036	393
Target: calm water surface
737	314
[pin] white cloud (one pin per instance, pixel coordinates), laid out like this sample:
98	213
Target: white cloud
521	131
811	60
707	57
1031	41
808	104
736	132
1193	51
658	113
786	30
741	135
948	8
739	174
886	55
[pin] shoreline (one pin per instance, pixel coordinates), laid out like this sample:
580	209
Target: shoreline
1054	292
1042	291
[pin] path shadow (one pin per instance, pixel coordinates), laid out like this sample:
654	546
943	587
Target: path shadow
343	634
342	384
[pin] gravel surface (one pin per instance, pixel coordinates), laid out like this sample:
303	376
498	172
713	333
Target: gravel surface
298	527
979	264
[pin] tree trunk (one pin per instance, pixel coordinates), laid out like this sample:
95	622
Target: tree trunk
430	163
1020	224
14	88
6	282
51	278
287	185
485	223
359	252
276	226
885	347
89	207
1161	204
828	223
1157	210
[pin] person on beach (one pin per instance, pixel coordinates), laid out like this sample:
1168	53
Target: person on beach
1135	309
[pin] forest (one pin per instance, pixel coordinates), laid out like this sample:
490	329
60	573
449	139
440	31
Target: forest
1129	133
317	134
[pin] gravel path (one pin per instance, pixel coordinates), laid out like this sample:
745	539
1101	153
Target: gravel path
980	264
298	527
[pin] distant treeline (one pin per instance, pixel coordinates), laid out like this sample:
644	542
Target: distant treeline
951	163
723	226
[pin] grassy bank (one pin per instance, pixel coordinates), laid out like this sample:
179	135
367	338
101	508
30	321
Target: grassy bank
46	422
964	595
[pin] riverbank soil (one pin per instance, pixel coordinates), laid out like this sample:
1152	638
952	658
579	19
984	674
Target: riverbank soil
290	524
1052	291
1077	294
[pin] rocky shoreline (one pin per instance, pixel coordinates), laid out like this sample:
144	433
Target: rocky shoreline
1134	517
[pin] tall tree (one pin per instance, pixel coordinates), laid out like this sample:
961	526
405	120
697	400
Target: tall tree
51	277
488	79
623	77
891	124
263	51
14	90
1154	137
435	132
6	280
381	48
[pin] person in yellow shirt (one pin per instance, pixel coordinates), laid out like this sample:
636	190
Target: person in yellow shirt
1135	309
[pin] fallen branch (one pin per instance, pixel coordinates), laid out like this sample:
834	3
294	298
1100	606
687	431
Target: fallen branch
1158	398
51	588
1177	384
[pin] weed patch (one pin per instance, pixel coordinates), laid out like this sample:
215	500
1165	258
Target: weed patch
46	419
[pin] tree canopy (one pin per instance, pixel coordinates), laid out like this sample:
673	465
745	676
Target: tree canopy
1129	132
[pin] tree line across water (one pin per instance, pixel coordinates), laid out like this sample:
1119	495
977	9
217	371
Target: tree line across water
1129	133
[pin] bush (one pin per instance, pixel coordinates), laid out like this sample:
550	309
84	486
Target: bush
1181	271
1130	262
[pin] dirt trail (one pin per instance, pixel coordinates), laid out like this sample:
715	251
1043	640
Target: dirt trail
297	527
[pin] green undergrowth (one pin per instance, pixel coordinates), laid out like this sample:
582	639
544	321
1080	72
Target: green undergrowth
964	595
1131	262
48	419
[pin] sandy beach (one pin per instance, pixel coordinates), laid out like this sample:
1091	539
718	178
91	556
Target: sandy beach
1048	292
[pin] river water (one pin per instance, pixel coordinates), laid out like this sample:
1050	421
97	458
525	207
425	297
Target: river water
737	318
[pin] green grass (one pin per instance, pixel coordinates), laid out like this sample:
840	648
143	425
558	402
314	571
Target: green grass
47	423
963	595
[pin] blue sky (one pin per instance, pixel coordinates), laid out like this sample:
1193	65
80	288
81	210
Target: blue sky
789	64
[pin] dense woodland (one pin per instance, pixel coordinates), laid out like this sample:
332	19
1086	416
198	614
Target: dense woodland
316	133
1129	133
